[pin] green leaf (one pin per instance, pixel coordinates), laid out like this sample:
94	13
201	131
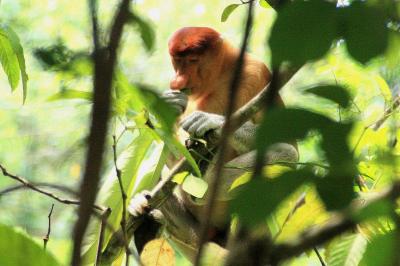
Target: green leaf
265	195
146	31
336	94
9	60
150	179
283	125
346	250
381	251
195	186
374	210
129	163
228	11
214	255
178	149
67	94
303	31
336	191
365	31
19	52
264	4
164	113
287	124
16	248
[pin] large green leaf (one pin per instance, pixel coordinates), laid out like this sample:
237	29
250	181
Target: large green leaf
334	93
129	162
16	248
346	250
364	30
283	125
19	52
265	195
303	31
9	60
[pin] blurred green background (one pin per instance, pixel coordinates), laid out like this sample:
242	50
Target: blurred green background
44	140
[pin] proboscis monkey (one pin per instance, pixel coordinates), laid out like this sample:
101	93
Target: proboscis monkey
204	64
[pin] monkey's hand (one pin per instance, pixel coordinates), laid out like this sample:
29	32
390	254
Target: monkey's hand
139	203
177	99
198	123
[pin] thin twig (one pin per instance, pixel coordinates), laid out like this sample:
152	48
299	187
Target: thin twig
224	149
124	197
47	236
321	260
104	66
388	112
31	186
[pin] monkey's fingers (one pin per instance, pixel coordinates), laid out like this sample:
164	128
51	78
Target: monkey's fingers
139	204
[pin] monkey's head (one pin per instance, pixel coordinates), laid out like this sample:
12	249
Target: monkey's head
194	52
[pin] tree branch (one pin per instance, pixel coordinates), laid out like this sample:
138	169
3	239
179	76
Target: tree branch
341	223
104	66
27	184
223	148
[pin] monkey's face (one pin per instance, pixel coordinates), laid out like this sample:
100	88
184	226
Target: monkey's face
187	73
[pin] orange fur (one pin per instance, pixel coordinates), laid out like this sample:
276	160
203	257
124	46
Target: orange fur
204	63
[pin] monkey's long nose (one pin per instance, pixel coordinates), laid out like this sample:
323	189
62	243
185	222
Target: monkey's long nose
179	82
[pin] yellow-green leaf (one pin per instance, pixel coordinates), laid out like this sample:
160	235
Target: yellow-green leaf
228	11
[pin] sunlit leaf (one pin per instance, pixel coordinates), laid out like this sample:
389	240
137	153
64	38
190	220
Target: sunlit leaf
17	248
264	4
228	11
129	163
19	52
346	250
364	30
303	31
9	60
265	195
214	255
310	213
195	186
158	253
336	94
392	55
68	94
374	210
145	29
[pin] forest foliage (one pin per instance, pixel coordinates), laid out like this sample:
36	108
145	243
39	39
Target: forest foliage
341	108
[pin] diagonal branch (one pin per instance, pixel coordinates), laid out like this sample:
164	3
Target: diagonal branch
224	148
28	184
